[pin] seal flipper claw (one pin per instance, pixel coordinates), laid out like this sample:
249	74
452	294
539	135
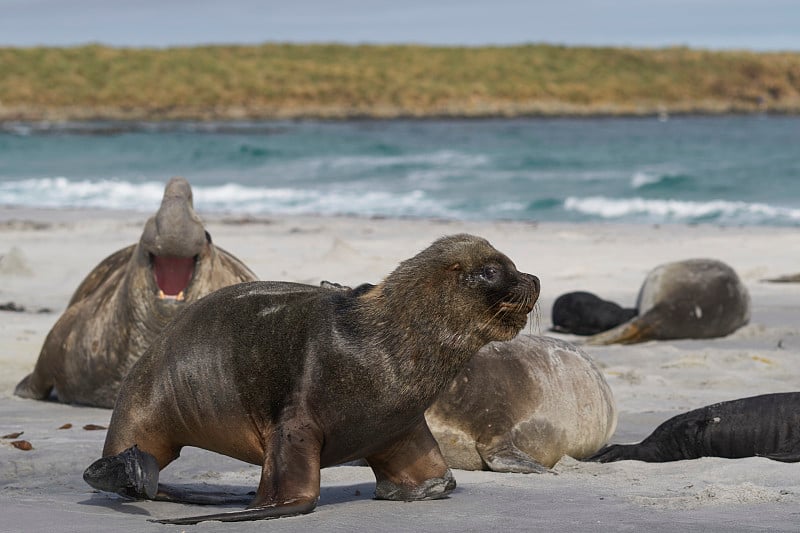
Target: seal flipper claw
509	458
258	513
131	473
430	489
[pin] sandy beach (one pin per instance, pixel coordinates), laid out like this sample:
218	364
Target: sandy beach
44	254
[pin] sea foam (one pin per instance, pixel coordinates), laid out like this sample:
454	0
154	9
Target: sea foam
683	211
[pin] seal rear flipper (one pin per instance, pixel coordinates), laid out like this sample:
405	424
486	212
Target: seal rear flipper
177	494
132	473
611	453
791	278
784	457
291	508
506	457
32	389
636	330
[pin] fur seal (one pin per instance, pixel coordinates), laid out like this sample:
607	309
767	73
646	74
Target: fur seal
294	378
763	426
584	313
124	302
521	405
691	299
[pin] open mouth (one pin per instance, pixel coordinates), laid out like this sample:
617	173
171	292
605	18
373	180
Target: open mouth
173	275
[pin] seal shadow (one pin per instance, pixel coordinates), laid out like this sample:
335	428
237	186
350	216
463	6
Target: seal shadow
220	495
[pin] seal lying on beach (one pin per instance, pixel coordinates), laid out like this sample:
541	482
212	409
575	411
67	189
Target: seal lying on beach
121	305
520	406
764	426
692	299
584	313
295	378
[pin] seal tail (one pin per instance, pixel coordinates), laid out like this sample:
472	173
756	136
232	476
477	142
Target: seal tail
259	513
631	332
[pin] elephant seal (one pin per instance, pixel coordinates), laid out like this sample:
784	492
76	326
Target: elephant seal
584	313
758	426
520	406
691	299
122	304
294	378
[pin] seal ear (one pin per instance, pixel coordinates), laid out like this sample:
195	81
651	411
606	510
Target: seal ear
455	267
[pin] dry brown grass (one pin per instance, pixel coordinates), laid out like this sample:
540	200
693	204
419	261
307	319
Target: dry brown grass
339	81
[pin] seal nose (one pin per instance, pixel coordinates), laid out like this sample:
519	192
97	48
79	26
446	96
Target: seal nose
535	282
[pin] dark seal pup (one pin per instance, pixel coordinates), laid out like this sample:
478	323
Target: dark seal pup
763	426
584	313
691	299
121	305
295	378
521	405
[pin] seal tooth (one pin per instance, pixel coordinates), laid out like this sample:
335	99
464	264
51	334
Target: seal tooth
180	297
161	294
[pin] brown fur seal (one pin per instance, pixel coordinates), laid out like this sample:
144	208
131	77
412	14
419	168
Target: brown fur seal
295	378
520	406
692	299
758	426
127	299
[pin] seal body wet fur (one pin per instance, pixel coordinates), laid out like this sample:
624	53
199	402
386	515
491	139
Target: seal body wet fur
294	378
126	300
520	406
691	299
765	426
584	313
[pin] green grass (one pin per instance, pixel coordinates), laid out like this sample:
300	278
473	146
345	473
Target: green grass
339	81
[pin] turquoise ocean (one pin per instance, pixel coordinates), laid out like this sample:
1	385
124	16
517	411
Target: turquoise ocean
729	170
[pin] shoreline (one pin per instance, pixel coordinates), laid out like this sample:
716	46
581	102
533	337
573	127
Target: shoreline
158	117
651	382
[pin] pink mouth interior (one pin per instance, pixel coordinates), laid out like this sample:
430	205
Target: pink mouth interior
173	273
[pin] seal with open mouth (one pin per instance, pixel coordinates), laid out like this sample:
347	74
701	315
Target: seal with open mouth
126	300
294	378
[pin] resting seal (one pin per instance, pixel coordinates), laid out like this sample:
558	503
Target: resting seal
124	302
584	313
764	426
295	378
520	406
692	299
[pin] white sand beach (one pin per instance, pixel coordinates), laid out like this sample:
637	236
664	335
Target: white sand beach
46	253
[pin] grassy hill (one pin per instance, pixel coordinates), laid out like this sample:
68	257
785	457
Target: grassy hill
340	81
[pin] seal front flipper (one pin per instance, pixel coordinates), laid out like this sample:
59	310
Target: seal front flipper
292	508
504	456
412	468
132	473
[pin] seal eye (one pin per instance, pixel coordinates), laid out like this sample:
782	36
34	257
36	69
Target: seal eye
489	273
